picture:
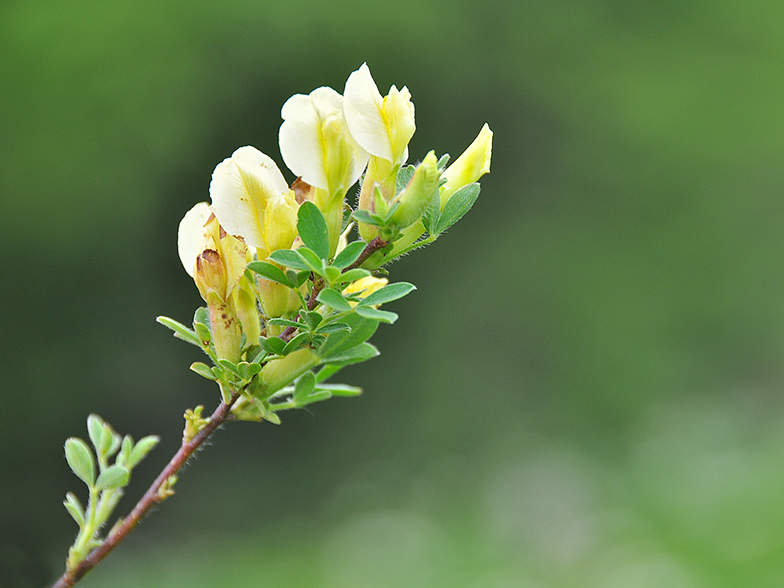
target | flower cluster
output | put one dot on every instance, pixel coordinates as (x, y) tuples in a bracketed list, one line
[(286, 287)]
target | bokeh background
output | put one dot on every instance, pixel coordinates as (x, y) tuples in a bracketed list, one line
[(585, 391)]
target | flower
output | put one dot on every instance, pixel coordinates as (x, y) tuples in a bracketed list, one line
[(365, 287), (252, 200), (472, 164), (383, 126), (316, 145)]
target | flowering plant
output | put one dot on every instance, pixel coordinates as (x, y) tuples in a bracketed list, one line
[(292, 292)]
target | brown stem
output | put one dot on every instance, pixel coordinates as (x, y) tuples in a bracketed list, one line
[(157, 492), (375, 244)]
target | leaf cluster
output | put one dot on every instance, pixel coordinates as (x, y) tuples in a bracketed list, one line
[(105, 481)]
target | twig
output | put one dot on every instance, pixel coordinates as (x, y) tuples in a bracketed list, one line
[(157, 492)]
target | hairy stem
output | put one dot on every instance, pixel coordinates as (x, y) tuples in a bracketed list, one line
[(157, 492)]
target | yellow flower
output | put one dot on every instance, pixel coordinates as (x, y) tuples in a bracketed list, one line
[(252, 200), (365, 286), (472, 164)]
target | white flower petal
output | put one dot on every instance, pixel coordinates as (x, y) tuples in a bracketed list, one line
[(300, 140), (240, 188), (362, 105), (190, 235)]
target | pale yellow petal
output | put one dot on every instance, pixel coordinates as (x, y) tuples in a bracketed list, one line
[(190, 235)]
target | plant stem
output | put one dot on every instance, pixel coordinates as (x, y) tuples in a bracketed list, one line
[(157, 492)]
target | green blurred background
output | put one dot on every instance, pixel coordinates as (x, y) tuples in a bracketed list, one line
[(586, 389)]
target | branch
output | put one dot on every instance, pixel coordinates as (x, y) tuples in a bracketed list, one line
[(157, 492)]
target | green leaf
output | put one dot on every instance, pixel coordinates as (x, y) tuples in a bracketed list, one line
[(125, 451), (331, 273), (281, 322), (180, 330), (340, 389), (363, 216), (273, 345), (333, 299), (353, 275), (312, 228), (383, 316), (80, 459), (270, 272), (110, 441), (361, 330), (312, 318), (305, 385), (203, 370), (289, 258), (317, 396), (142, 448), (457, 206), (333, 328), (230, 366), (349, 255), (296, 343), (113, 477), (95, 429), (248, 370), (311, 258), (203, 333), (75, 508), (360, 353), (432, 214), (443, 161), (388, 293), (201, 316), (327, 372), (404, 177)]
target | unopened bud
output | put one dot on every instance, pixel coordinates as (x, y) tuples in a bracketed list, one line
[(418, 195), (472, 164)]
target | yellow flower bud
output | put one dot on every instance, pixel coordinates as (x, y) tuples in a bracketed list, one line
[(472, 164), (365, 286)]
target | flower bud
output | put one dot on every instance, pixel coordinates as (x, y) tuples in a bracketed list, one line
[(365, 286), (472, 164), (418, 195)]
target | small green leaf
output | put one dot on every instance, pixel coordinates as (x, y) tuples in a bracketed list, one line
[(331, 273), (340, 389), (75, 508), (113, 477), (202, 316), (317, 396), (296, 343), (273, 345), (383, 316), (404, 177), (312, 318), (333, 299), (349, 255), (361, 330), (95, 429), (333, 328), (353, 275), (248, 370), (180, 330), (327, 372), (298, 278), (110, 441), (432, 214), (80, 459), (388, 293), (289, 258), (270, 272), (230, 366), (203, 370), (125, 451), (457, 206), (312, 260), (443, 161), (312, 229), (360, 353), (203, 333), (281, 322), (305, 385), (363, 216), (142, 448)]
